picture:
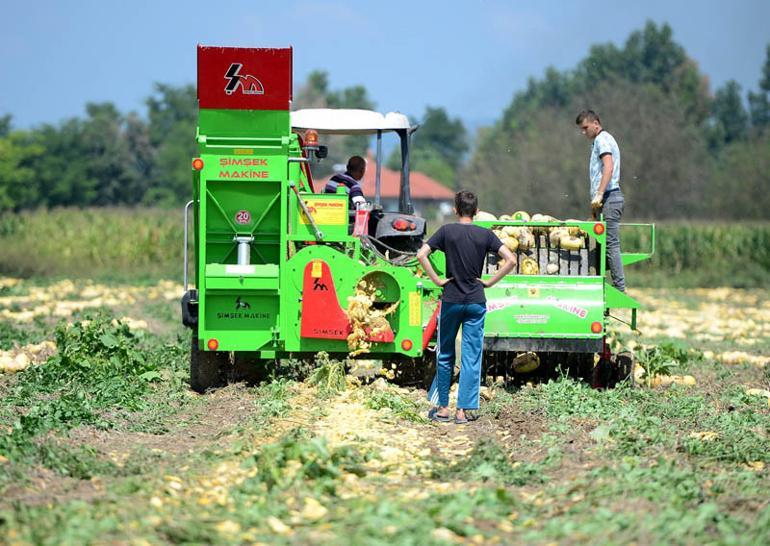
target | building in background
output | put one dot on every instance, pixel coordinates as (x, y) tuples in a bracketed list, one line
[(431, 199)]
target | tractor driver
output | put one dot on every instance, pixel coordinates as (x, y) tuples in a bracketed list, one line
[(351, 179)]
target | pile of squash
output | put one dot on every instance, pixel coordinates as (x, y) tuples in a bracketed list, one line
[(522, 237)]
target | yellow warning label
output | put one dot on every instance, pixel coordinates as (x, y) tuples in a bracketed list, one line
[(415, 307), (316, 271), (243, 151), (329, 212)]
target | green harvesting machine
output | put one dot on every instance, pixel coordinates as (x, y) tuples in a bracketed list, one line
[(277, 261)]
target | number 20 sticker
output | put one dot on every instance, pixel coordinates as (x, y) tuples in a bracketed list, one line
[(242, 217)]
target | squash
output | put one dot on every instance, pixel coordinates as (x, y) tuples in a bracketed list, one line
[(529, 267), (482, 216), (526, 239), (525, 362), (571, 242), (511, 243)]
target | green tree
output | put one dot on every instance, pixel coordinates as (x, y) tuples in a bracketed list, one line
[(650, 95), (437, 148), (730, 120), (759, 107), (740, 180), (110, 158), (651, 56), (543, 167), (63, 171), (90, 161), (5, 125), (759, 103), (172, 120), (18, 183), (315, 93)]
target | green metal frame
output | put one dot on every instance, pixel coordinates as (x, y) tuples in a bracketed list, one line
[(271, 286), (251, 162)]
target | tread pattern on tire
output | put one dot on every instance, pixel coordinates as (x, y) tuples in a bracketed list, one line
[(207, 368)]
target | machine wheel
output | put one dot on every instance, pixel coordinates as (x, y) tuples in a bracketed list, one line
[(249, 368), (190, 309), (207, 368), (428, 364), (603, 374), (414, 372), (626, 366)]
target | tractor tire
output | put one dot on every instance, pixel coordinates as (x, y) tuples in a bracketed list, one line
[(250, 369), (413, 372), (207, 368), (603, 374), (626, 366), (428, 365), (581, 366)]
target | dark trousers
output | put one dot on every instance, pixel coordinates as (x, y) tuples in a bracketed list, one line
[(613, 211)]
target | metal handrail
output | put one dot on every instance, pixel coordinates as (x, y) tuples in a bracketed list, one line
[(652, 236), (186, 223)]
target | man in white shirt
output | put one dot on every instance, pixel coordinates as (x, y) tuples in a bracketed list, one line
[(604, 179)]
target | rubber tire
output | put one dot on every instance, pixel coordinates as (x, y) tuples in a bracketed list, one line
[(603, 375), (428, 364), (626, 366), (207, 368), (250, 369)]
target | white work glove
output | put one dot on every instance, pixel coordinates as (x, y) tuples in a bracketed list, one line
[(597, 202)]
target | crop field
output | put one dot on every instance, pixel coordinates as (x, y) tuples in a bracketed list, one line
[(102, 441)]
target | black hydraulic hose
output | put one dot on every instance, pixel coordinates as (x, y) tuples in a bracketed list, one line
[(405, 252), (398, 261)]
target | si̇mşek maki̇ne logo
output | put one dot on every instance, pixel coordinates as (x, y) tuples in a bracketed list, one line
[(248, 84)]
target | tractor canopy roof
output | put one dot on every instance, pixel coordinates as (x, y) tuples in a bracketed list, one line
[(348, 121)]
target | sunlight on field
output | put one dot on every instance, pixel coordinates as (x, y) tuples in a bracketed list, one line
[(18, 359), (101, 409), (64, 298), (709, 317)]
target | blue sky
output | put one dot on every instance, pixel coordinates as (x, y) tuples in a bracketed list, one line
[(468, 56)]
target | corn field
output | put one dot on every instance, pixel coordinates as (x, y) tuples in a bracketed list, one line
[(110, 242), (97, 242), (703, 254)]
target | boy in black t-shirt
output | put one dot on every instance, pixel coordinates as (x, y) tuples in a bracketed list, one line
[(462, 303)]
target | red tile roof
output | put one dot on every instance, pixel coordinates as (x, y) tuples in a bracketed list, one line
[(421, 185)]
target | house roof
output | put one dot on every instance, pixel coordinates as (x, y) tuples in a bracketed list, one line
[(421, 185)]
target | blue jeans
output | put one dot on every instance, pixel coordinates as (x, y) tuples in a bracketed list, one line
[(471, 317)]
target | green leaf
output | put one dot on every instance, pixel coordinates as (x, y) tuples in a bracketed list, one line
[(108, 340), (152, 375)]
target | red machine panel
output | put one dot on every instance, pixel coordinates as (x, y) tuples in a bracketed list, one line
[(242, 78), (322, 316)]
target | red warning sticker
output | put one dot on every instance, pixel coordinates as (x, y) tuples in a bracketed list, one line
[(242, 217)]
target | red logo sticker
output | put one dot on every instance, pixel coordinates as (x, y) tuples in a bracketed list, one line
[(248, 84), (242, 217)]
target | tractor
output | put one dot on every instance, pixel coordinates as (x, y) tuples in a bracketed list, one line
[(277, 262)]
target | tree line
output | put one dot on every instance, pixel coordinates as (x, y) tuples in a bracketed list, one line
[(685, 151)]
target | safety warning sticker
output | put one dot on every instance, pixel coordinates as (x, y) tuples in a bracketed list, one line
[(415, 306), (329, 212)]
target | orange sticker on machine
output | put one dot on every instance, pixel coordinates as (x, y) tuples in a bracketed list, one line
[(415, 307), (328, 212), (316, 271)]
